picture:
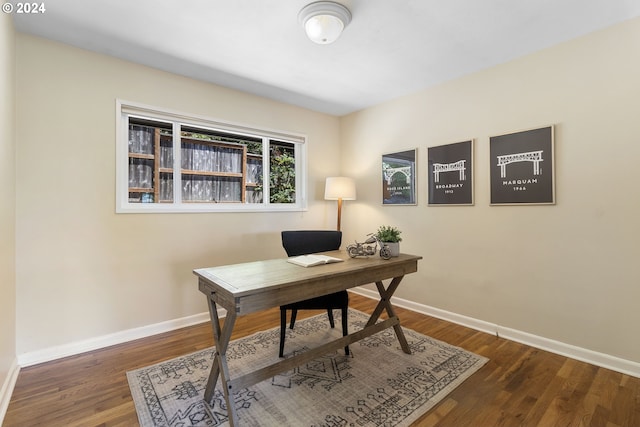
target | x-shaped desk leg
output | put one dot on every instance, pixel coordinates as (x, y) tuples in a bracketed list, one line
[(385, 304), (220, 368)]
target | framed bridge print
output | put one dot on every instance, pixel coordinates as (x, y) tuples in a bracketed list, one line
[(399, 178), (451, 174), (522, 168)]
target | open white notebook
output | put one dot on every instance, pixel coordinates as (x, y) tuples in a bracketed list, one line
[(313, 259)]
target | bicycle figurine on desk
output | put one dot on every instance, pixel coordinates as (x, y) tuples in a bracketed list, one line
[(369, 247)]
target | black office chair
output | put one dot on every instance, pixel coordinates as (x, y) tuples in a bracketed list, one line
[(305, 242)]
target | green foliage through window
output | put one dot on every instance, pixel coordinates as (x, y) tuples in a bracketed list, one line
[(282, 173)]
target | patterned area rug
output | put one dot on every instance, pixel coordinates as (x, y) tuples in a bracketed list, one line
[(377, 385)]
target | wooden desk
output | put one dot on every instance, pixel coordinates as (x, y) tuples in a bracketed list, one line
[(253, 286)]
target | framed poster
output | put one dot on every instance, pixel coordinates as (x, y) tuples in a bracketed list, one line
[(451, 174), (522, 168), (399, 178)]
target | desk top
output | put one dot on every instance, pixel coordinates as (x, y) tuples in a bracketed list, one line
[(264, 284)]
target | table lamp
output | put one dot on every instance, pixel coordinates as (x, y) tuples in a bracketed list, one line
[(339, 188)]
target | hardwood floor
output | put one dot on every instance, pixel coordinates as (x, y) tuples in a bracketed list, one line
[(519, 386)]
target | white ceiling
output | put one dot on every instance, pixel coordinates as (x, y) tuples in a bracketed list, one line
[(391, 48)]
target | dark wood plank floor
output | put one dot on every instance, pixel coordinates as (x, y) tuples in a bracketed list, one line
[(519, 386)]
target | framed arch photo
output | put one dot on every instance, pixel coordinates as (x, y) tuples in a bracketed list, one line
[(523, 168), (399, 178), (451, 174)]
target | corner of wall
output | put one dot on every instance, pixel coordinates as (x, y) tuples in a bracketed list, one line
[(7, 388), (8, 361)]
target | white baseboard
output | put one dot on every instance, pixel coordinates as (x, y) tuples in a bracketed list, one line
[(71, 349), (7, 388), (589, 356), (585, 355)]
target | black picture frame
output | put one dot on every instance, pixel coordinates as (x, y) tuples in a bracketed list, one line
[(399, 178), (523, 168), (450, 173)]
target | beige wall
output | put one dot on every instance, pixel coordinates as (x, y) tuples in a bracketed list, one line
[(84, 271), (7, 203), (567, 272)]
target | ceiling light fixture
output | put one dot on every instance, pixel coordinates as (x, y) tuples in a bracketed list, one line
[(323, 21)]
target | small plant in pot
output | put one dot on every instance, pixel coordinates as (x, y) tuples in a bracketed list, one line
[(390, 236)]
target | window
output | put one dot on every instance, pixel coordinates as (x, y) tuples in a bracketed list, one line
[(168, 162)]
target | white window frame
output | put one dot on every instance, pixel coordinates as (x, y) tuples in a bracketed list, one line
[(126, 109)]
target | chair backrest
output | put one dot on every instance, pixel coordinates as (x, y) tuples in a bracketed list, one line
[(302, 242)]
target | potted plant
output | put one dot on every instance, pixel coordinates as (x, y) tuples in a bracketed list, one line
[(390, 236)]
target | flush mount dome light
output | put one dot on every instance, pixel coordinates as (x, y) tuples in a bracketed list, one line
[(323, 21)]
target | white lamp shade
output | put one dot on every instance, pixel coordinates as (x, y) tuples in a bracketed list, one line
[(340, 187)]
